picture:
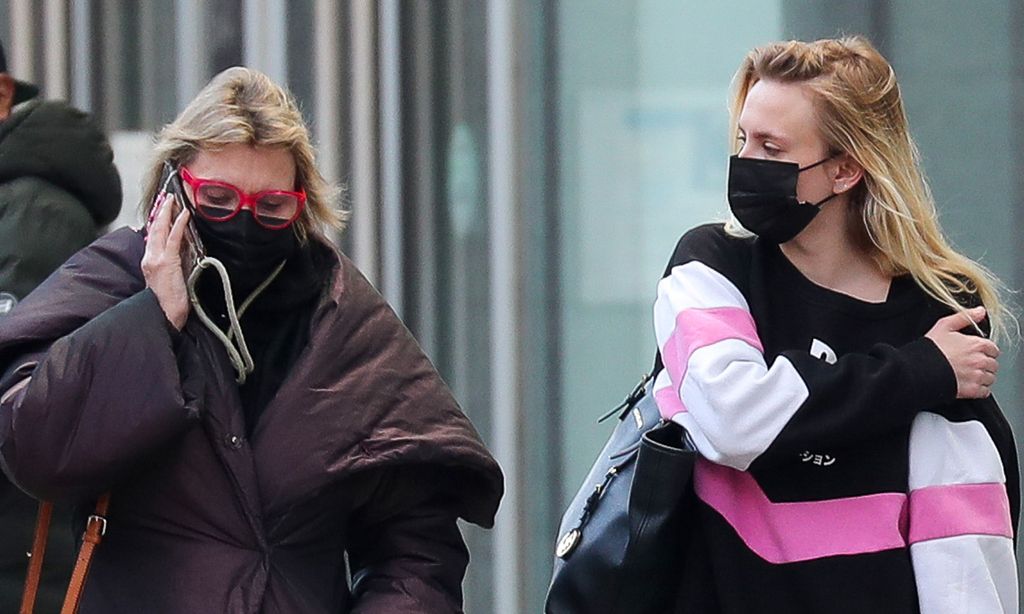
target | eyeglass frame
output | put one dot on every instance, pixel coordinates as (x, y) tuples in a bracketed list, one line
[(246, 200)]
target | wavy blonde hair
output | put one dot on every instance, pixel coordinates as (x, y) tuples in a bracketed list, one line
[(860, 112), (244, 106)]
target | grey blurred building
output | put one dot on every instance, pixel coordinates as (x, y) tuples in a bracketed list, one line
[(519, 170)]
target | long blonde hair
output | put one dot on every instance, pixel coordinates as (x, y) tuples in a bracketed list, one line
[(244, 106), (860, 112)]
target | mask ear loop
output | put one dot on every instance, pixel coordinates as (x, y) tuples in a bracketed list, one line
[(809, 167), (240, 357)]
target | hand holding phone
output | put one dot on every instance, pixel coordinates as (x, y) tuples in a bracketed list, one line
[(192, 246), (172, 249)]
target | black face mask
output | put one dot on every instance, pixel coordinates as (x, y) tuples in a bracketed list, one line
[(762, 196), (249, 251)]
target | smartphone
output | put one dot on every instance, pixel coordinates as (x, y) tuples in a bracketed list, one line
[(192, 250)]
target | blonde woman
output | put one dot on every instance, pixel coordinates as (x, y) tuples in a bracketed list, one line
[(824, 350), (282, 447)]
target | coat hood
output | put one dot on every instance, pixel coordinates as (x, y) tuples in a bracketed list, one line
[(61, 145)]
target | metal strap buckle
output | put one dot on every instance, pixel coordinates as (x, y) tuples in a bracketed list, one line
[(96, 518)]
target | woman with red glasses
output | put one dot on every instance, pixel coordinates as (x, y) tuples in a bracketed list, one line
[(270, 436)]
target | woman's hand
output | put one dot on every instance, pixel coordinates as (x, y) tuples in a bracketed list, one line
[(161, 264), (973, 358)]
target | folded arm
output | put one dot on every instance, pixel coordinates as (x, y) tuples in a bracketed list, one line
[(738, 407)]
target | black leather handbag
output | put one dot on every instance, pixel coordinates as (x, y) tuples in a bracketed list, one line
[(623, 537)]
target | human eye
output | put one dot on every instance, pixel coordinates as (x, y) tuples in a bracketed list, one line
[(273, 202), (771, 149), (217, 196), (276, 206)]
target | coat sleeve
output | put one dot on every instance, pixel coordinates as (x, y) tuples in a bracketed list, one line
[(406, 553), (96, 404), (739, 407), (962, 514)]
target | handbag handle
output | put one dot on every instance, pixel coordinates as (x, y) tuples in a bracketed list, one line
[(95, 529)]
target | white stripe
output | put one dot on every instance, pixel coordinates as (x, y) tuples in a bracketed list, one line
[(966, 574), (688, 286), (944, 452), (661, 381), (736, 405)]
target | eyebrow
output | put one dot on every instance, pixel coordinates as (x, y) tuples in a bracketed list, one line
[(763, 135)]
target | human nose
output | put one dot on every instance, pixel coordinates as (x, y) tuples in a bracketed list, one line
[(246, 201)]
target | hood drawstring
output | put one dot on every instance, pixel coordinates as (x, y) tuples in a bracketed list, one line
[(240, 357)]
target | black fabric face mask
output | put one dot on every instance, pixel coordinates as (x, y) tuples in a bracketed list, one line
[(249, 251), (762, 196)]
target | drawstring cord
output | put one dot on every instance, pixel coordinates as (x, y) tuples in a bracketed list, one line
[(239, 356)]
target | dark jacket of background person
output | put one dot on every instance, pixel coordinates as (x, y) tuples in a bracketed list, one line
[(58, 187), (362, 450)]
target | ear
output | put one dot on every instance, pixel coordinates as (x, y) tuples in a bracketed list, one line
[(848, 173), (6, 95)]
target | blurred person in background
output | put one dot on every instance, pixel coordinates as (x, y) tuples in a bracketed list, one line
[(58, 189), (271, 436)]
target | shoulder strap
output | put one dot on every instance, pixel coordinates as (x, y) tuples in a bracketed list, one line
[(95, 528), (35, 562)]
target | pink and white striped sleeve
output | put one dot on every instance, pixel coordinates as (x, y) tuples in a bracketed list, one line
[(716, 382), (960, 526)]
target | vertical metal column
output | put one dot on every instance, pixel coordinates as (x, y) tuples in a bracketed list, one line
[(424, 168), (55, 43), (364, 139), (20, 57), (326, 95), (112, 54), (190, 49), (504, 239), (1016, 119), (149, 50), (81, 54), (263, 46), (391, 235)]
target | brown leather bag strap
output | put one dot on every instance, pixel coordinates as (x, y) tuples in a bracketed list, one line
[(95, 528), (35, 561)]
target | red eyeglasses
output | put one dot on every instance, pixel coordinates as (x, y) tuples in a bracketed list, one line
[(218, 202)]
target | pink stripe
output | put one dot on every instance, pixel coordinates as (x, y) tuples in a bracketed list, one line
[(697, 328), (801, 531), (668, 402), (959, 509)]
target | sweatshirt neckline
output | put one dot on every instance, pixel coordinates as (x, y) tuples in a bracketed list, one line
[(900, 297)]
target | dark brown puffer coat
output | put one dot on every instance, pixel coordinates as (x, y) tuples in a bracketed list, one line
[(362, 451)]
